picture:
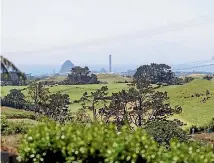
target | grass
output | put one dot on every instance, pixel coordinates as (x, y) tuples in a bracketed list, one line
[(7, 110), (12, 113), (6, 89), (109, 78), (54, 78), (112, 78), (194, 111), (75, 92)]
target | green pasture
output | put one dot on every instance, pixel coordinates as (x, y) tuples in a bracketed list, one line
[(194, 110), (109, 78), (75, 92)]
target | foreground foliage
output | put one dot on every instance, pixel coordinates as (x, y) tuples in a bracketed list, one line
[(7, 66), (53, 142)]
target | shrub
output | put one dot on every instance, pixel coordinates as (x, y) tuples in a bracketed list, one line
[(15, 99), (188, 79), (10, 127), (16, 128), (208, 77), (209, 127), (4, 123), (53, 142), (14, 115), (163, 131)]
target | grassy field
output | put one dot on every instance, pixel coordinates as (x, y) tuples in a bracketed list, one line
[(110, 78), (194, 111), (54, 78), (17, 115), (74, 91)]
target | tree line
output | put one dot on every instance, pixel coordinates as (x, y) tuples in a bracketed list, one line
[(39, 100), (160, 74)]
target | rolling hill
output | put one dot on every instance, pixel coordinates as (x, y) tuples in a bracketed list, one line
[(195, 111)]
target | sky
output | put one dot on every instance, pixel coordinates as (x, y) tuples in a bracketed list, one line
[(134, 32)]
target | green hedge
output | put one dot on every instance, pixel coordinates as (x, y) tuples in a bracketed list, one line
[(53, 142), (23, 115)]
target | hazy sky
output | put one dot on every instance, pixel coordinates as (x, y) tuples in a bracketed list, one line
[(86, 31)]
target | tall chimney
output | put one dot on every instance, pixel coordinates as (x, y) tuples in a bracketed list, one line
[(109, 63)]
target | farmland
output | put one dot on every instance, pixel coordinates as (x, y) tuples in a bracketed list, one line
[(194, 111)]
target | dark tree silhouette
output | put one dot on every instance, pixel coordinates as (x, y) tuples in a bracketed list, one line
[(15, 99), (208, 77), (94, 100), (53, 105), (138, 105), (81, 75), (155, 73)]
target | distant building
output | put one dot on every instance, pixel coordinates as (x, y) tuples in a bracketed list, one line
[(110, 64)]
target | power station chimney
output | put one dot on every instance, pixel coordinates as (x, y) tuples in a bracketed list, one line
[(110, 63)]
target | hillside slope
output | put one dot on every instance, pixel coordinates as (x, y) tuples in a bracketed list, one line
[(194, 109), (112, 78), (109, 78)]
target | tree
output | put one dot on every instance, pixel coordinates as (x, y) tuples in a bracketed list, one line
[(118, 109), (39, 95), (15, 99), (208, 77), (188, 79), (82, 116), (81, 75), (155, 73), (164, 130), (138, 105), (7, 65), (53, 105), (57, 107), (94, 100)]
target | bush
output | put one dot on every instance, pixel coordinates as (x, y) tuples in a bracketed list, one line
[(53, 142), (188, 79), (11, 115), (9, 127), (17, 128), (211, 125), (4, 123), (15, 99), (208, 77), (164, 131), (206, 128)]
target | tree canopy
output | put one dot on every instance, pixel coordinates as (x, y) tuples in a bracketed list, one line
[(155, 73), (81, 75)]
